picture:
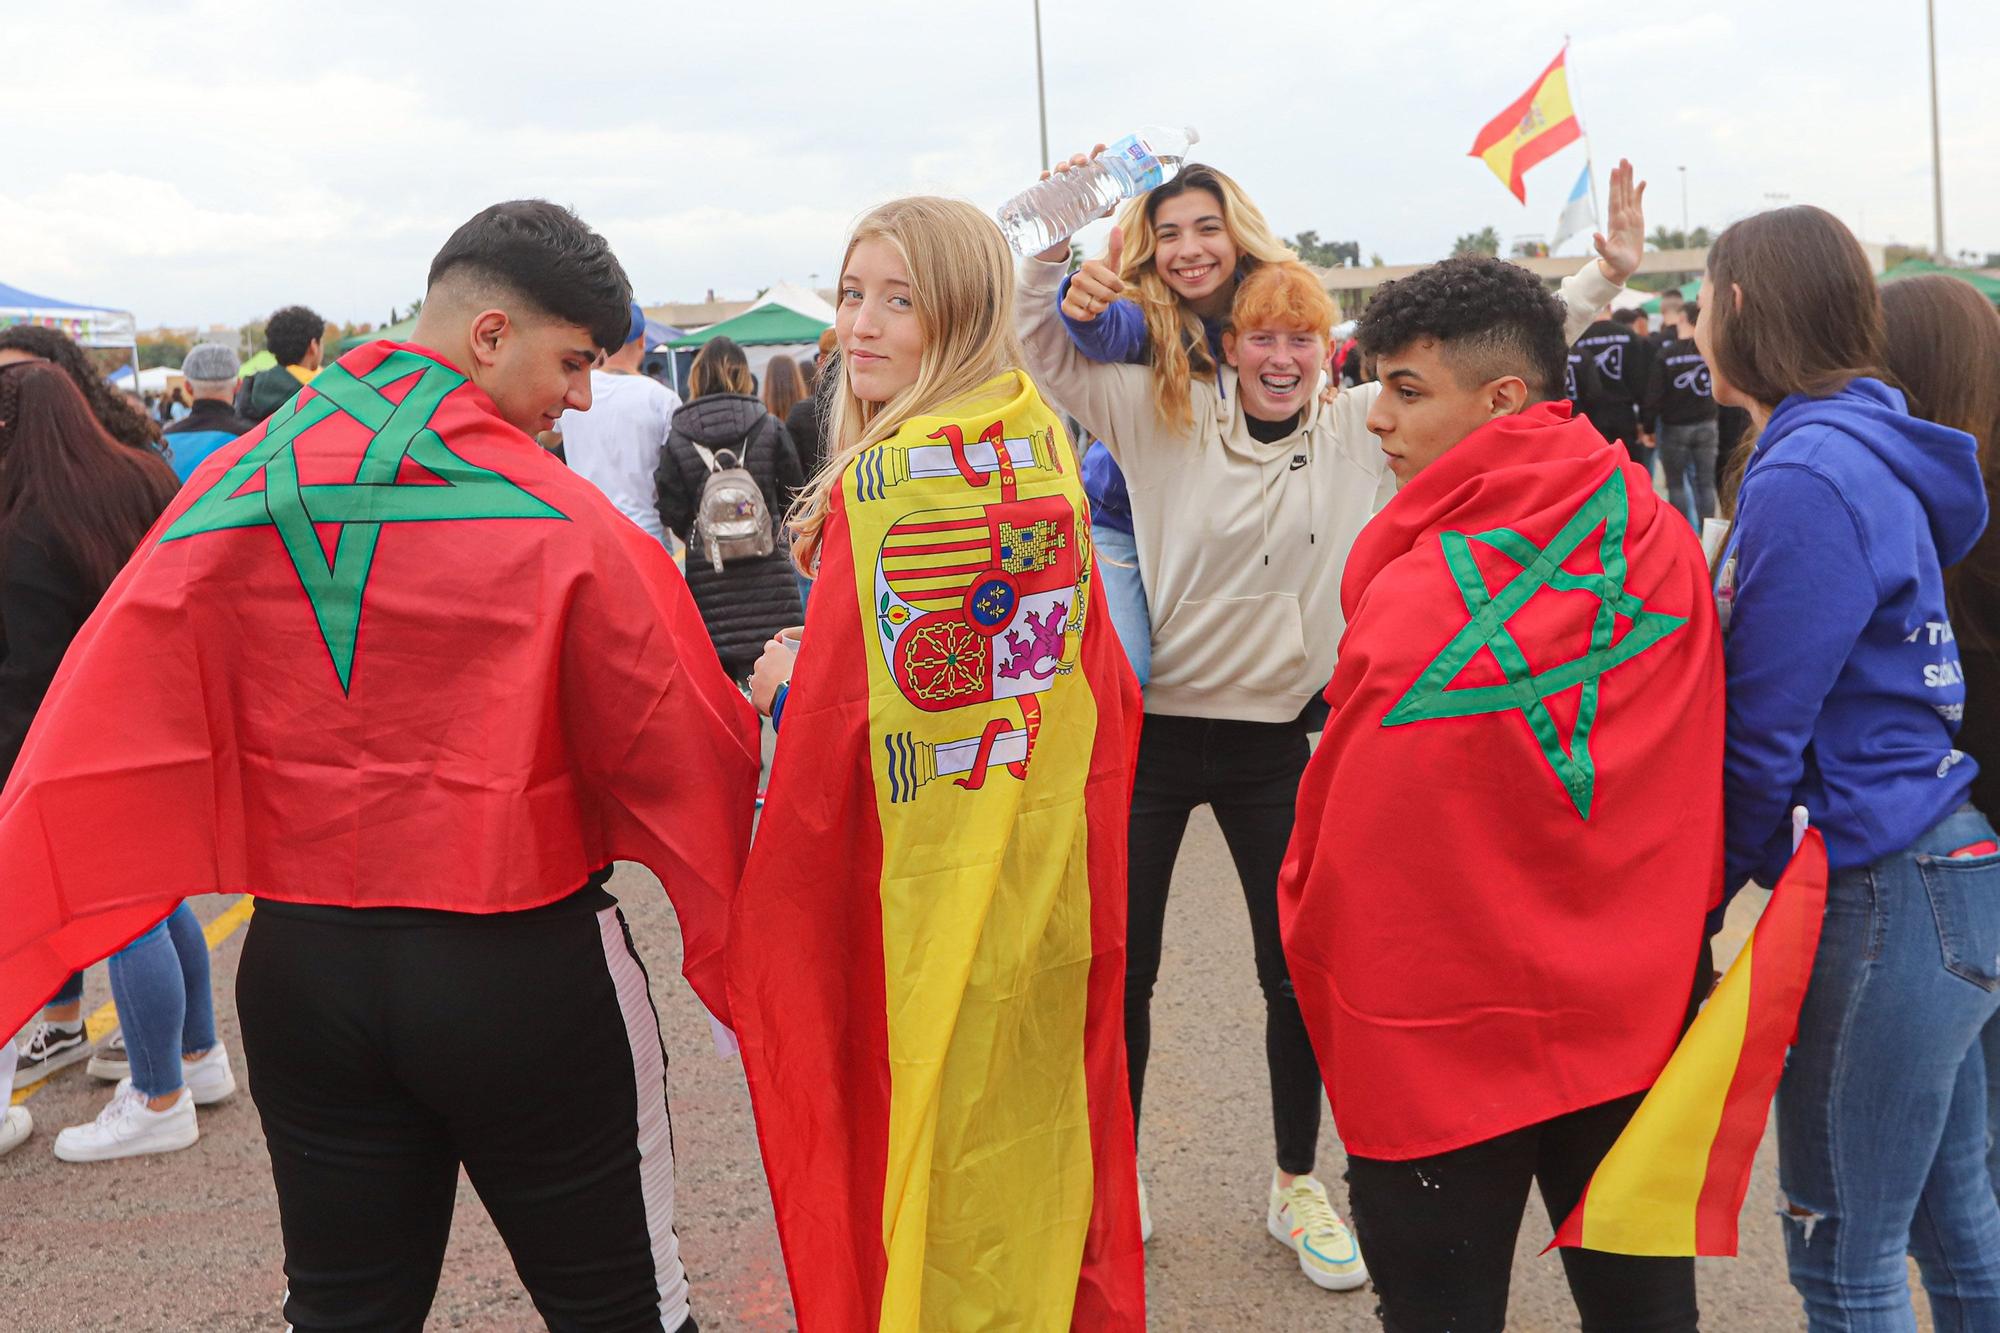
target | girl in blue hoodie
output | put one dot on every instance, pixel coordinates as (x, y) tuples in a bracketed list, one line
[(1845, 692)]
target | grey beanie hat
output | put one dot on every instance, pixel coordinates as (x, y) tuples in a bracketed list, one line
[(211, 363)]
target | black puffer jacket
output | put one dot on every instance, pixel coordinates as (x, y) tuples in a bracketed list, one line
[(747, 601)]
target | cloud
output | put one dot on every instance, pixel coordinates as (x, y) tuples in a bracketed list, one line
[(198, 166)]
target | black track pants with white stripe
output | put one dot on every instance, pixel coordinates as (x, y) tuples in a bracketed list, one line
[(387, 1047)]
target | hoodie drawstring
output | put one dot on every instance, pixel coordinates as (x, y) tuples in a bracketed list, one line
[(1264, 501)]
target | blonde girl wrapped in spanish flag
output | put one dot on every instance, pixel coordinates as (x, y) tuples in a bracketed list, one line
[(927, 951)]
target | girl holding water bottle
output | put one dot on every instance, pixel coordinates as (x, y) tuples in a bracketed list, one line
[(1202, 235), (1246, 491)]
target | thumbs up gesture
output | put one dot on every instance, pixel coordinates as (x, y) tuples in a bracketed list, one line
[(1097, 284)]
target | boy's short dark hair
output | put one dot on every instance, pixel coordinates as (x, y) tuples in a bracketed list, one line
[(547, 256), (1490, 319), (290, 331), (1691, 311), (1627, 317)]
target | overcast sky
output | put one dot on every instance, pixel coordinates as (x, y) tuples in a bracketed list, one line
[(205, 162)]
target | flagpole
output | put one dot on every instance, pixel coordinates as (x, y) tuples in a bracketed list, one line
[(1937, 155), (1589, 159)]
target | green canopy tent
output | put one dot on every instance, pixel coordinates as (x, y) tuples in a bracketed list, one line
[(760, 326), (776, 326), (397, 332), (1911, 268)]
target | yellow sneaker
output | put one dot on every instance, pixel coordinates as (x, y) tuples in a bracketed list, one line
[(1304, 1222)]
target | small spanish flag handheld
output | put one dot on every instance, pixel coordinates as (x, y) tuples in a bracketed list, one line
[(1674, 1182), (927, 952), (1538, 124)]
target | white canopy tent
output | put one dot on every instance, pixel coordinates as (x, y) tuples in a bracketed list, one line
[(157, 379)]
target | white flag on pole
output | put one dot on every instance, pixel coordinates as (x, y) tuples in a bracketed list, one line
[(1578, 216)]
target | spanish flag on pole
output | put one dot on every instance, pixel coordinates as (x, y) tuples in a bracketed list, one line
[(927, 953), (1540, 123), (1674, 1182)]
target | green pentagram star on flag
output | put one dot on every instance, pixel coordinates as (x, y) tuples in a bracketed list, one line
[(337, 585), (1526, 690)]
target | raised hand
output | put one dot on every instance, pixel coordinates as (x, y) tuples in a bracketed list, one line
[(1097, 284), (1618, 253)]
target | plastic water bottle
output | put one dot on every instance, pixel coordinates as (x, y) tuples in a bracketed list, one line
[(1056, 209)]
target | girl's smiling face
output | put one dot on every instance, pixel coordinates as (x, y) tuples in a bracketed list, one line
[(1191, 246)]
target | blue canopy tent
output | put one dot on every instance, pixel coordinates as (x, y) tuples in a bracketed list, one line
[(90, 325), (659, 364)]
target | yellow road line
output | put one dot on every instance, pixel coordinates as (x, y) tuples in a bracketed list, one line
[(99, 1025)]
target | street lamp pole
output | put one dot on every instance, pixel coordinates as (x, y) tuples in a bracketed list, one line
[(1684, 201), (1041, 91), (1937, 155)]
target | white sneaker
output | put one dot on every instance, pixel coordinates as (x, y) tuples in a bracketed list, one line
[(127, 1127), (1303, 1221), (210, 1078), (1145, 1215), (15, 1126)]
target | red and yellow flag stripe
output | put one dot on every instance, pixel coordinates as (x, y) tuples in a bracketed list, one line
[(1674, 1182)]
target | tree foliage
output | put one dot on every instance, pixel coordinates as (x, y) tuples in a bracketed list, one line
[(1326, 254), (1673, 238), (1485, 241)]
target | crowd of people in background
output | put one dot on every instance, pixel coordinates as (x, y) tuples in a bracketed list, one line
[(1260, 495)]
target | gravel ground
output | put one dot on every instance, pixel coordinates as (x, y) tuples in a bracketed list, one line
[(189, 1241)]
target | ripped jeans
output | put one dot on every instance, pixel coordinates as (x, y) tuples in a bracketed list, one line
[(1882, 1111)]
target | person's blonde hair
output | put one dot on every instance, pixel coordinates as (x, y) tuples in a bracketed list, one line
[(720, 367), (1177, 344), (962, 288)]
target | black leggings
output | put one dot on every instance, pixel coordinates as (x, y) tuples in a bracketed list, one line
[(1249, 773), (388, 1047), (1438, 1232)]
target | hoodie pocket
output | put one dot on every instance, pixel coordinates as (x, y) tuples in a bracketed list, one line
[(1232, 643)]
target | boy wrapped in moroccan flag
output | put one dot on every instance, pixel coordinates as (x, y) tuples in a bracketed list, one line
[(392, 668), (926, 955), (1507, 841)]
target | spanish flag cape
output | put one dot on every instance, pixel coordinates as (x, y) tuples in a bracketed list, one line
[(927, 953), (383, 651), (1512, 828)]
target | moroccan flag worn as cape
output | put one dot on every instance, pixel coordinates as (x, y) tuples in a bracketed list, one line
[(1674, 1181), (1511, 830), (383, 651), (927, 954), (1538, 124)]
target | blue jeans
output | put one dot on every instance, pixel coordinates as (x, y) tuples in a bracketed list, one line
[(1882, 1111), (160, 983), (71, 992), (1125, 592), (1687, 454)]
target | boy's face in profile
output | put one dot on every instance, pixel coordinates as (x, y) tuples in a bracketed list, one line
[(1424, 408)]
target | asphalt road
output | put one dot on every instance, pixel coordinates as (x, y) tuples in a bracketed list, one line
[(189, 1241)]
